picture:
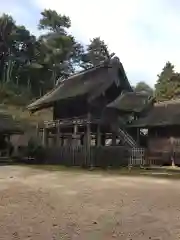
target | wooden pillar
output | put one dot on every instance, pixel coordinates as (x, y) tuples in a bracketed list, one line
[(62, 140), (37, 130), (45, 137), (75, 128), (113, 139), (82, 139), (172, 144), (98, 136), (103, 139), (69, 140), (138, 135), (54, 140), (58, 135), (88, 140), (7, 150)]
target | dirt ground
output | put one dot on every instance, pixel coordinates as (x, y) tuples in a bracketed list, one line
[(45, 205)]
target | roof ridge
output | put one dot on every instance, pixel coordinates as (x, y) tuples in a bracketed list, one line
[(104, 63), (101, 65)]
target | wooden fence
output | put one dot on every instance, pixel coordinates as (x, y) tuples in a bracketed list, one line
[(107, 156), (103, 156)]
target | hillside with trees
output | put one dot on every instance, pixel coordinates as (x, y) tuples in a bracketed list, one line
[(30, 65)]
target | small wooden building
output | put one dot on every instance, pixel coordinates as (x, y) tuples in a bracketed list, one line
[(163, 125), (90, 108), (79, 103)]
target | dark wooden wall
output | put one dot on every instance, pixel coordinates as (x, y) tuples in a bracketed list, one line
[(79, 105), (159, 138), (69, 108)]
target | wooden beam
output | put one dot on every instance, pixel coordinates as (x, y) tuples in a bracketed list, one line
[(75, 129), (103, 139), (88, 140), (45, 137), (37, 130), (114, 139), (138, 135), (62, 140), (82, 140), (98, 136), (58, 136)]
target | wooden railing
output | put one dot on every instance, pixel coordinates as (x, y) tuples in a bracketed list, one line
[(70, 121), (137, 157)]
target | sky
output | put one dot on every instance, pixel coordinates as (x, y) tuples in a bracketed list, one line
[(144, 34)]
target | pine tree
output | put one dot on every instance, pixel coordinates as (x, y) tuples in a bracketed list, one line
[(164, 88), (97, 52)]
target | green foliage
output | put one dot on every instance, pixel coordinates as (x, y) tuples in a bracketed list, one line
[(31, 66), (14, 95), (164, 88), (34, 63), (144, 87), (97, 51), (53, 21)]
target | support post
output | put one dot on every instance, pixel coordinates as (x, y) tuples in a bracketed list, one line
[(62, 140), (82, 140), (103, 139), (37, 130), (172, 151), (75, 127), (69, 140), (45, 137), (98, 136), (138, 135), (88, 140), (9, 145), (55, 140), (58, 136), (113, 139)]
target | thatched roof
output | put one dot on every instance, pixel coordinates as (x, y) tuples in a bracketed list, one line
[(162, 114), (91, 82), (131, 102), (8, 125)]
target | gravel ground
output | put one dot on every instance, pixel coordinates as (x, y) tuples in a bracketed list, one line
[(45, 205)]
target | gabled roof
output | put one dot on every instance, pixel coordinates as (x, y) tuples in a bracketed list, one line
[(162, 114), (91, 82), (131, 102)]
